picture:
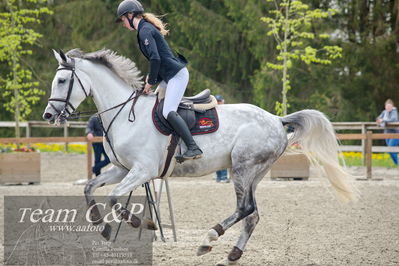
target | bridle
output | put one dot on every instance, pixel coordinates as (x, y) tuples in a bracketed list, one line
[(76, 115), (73, 115), (62, 113)]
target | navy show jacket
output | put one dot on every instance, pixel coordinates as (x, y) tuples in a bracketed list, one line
[(94, 126), (163, 63)]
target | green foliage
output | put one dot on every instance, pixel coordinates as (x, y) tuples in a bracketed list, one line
[(15, 39), (290, 24), (228, 50)]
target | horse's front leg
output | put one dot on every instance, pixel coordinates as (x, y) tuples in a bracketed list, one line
[(137, 176), (114, 175)]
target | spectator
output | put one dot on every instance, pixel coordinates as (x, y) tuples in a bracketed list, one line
[(390, 114), (94, 129), (221, 175)]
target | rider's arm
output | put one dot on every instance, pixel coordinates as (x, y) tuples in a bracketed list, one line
[(155, 60)]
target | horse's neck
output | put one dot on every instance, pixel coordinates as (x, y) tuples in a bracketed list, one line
[(108, 90)]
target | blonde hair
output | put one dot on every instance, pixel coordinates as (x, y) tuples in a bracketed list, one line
[(389, 101), (157, 22)]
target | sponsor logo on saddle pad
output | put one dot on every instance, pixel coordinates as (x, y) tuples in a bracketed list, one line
[(205, 122)]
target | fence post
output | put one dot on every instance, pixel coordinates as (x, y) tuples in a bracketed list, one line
[(66, 135), (89, 159), (369, 153), (364, 152), (28, 132), (28, 129)]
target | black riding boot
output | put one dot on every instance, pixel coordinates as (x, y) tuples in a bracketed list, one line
[(181, 128)]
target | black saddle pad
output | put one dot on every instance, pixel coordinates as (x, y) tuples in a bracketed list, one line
[(198, 122)]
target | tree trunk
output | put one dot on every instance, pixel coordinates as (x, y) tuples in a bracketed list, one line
[(285, 68), (15, 84), (16, 96)]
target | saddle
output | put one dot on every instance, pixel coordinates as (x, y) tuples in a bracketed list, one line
[(198, 112)]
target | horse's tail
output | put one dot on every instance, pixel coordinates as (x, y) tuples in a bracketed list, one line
[(316, 137)]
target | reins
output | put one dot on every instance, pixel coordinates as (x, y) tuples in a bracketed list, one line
[(122, 105)]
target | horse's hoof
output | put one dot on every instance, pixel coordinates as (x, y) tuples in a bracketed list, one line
[(106, 233), (202, 250), (95, 215), (148, 224), (135, 221), (226, 262)]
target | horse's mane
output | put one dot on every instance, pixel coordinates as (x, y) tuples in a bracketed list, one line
[(123, 67)]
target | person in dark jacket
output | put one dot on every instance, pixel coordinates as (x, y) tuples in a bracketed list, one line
[(165, 68), (94, 129), (221, 175)]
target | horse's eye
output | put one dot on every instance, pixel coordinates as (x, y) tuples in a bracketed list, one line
[(61, 81)]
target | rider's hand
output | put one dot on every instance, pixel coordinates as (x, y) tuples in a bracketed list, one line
[(147, 88)]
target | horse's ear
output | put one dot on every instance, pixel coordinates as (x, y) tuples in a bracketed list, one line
[(57, 56), (63, 56)]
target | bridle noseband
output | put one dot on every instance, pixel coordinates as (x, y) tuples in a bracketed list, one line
[(71, 67)]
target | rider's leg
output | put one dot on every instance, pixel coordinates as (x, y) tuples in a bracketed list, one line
[(180, 126), (174, 93)]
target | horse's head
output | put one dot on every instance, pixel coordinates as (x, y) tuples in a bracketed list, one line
[(69, 88)]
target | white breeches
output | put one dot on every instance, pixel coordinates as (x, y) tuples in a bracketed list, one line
[(175, 89)]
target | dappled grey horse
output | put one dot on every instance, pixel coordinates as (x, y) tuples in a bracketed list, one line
[(249, 140)]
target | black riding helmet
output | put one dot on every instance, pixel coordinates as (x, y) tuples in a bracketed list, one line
[(127, 6)]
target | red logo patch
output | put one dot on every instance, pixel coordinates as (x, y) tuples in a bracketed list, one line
[(205, 122)]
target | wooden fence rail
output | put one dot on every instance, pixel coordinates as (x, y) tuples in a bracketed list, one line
[(369, 136)]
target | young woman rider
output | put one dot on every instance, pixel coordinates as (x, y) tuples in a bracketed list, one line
[(165, 68)]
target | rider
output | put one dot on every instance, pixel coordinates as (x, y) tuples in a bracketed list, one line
[(164, 66)]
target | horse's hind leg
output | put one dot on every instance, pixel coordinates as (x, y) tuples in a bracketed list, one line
[(250, 221), (243, 178), (113, 175), (248, 225)]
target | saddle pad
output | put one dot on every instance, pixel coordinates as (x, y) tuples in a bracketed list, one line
[(205, 123)]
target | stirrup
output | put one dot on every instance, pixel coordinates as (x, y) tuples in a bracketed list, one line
[(184, 157)]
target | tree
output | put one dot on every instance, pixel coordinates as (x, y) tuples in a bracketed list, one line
[(15, 38), (291, 27)]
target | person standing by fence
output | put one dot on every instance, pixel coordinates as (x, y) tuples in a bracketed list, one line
[(221, 175), (390, 114), (94, 129)]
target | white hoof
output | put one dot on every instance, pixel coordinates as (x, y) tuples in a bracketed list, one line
[(206, 246)]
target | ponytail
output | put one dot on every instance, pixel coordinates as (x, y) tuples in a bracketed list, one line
[(157, 22)]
